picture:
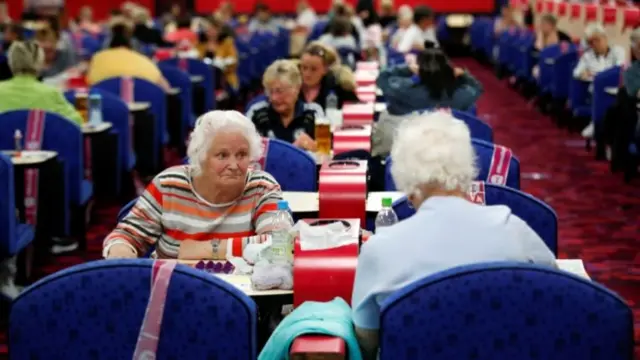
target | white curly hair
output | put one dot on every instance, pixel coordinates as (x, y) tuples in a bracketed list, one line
[(434, 150), (213, 122)]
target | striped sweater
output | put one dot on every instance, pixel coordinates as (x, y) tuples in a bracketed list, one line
[(170, 211)]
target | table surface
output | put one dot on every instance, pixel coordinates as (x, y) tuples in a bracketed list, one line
[(95, 129), (309, 201), (196, 78), (173, 91), (611, 90), (139, 106), (380, 107), (30, 157)]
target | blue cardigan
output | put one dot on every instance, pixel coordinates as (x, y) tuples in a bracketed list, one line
[(325, 318)]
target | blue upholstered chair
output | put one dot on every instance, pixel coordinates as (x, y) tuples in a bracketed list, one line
[(536, 213), (14, 237), (95, 311), (199, 67), (484, 152), (64, 137), (505, 311), (181, 80)]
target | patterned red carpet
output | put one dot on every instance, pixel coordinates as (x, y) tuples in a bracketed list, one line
[(599, 214)]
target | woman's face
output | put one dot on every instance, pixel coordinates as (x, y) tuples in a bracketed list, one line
[(598, 43), (86, 14), (404, 22), (282, 96), (212, 32), (546, 27), (313, 70), (228, 159)]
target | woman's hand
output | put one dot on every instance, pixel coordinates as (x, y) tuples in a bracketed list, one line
[(414, 68), (458, 72), (121, 251), (305, 142)]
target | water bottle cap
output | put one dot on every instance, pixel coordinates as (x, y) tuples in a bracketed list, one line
[(387, 202), (283, 205)]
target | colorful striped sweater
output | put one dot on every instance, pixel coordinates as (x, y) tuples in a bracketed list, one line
[(170, 211)]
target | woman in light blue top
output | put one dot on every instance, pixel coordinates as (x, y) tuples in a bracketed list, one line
[(434, 164)]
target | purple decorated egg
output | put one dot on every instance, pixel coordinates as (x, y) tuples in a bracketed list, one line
[(200, 265), (218, 267), (209, 266)]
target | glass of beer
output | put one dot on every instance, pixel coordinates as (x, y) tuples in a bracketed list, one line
[(323, 136), (82, 103)]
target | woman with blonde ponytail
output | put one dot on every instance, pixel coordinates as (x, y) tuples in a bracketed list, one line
[(323, 74)]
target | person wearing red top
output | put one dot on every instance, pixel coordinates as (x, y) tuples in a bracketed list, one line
[(183, 37)]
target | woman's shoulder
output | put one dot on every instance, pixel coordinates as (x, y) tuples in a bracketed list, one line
[(259, 179), (175, 175)]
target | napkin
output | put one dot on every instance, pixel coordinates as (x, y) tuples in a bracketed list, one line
[(322, 237)]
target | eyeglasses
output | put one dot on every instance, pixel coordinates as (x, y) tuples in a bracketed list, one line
[(279, 90)]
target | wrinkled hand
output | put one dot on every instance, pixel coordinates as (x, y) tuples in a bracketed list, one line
[(121, 251), (305, 142), (458, 72)]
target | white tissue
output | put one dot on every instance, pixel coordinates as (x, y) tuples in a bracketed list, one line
[(322, 237)]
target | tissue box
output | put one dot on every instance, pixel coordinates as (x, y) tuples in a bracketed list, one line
[(318, 347), (323, 274)]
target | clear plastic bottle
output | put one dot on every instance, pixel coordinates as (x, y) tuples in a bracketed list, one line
[(282, 241), (386, 216), (332, 111), (95, 109)]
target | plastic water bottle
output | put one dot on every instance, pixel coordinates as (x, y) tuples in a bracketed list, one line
[(282, 241), (332, 112), (17, 140), (386, 216), (95, 109)]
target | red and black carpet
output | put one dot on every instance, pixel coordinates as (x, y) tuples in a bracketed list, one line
[(599, 214)]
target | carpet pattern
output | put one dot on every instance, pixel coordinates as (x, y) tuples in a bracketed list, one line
[(599, 215)]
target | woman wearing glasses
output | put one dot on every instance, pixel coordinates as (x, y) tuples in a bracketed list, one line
[(283, 115)]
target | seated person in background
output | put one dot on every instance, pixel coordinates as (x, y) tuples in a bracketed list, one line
[(58, 56), (219, 46), (120, 60), (434, 163), (423, 29), (549, 33), (405, 21), (340, 35), (284, 116), (85, 21), (225, 13), (24, 91), (370, 29), (599, 57), (144, 31), (387, 15), (183, 38), (307, 17), (430, 83), (212, 207), (506, 21), (12, 32), (262, 21), (323, 74)]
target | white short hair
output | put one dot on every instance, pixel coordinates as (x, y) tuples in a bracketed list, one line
[(405, 12), (594, 29), (213, 122), (433, 149)]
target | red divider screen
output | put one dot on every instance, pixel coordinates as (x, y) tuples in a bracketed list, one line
[(322, 6)]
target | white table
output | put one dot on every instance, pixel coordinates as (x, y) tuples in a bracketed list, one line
[(380, 107), (307, 202), (139, 106), (243, 282), (196, 78), (88, 129), (30, 157), (173, 91)]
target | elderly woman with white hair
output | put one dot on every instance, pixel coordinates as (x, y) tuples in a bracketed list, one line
[(405, 20), (434, 164), (599, 57), (284, 115), (211, 208)]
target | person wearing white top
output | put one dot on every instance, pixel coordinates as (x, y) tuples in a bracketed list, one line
[(405, 20), (422, 30), (307, 17), (599, 57)]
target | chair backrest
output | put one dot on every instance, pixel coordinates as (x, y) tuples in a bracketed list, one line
[(7, 208), (99, 307), (126, 209), (255, 100), (198, 67), (181, 80), (294, 169), (59, 134), (115, 111), (536, 213), (147, 91), (485, 157), (505, 311), (479, 129)]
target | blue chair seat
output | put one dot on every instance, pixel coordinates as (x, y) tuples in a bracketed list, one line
[(86, 192), (24, 236)]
